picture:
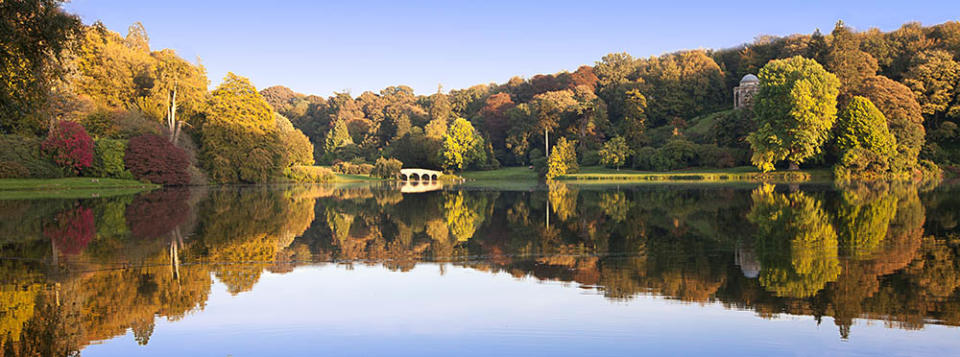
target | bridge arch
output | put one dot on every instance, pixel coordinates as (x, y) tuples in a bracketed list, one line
[(419, 175)]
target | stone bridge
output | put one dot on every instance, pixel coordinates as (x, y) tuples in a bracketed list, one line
[(419, 174)]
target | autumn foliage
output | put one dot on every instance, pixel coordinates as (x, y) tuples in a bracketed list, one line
[(70, 146), (153, 158)]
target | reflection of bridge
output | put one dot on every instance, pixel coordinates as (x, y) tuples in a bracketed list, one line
[(419, 174), (420, 186)]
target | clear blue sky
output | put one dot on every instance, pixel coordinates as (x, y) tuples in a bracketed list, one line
[(317, 47)]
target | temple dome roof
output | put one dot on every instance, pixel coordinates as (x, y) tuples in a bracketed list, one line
[(749, 78)]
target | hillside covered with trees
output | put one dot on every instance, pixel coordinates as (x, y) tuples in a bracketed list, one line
[(85, 100)]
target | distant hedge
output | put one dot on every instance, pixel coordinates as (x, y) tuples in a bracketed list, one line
[(21, 158), (309, 174), (349, 168)]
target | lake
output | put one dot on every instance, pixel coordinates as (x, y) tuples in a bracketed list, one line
[(510, 269)]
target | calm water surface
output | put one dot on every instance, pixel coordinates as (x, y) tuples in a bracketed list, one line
[(517, 270)]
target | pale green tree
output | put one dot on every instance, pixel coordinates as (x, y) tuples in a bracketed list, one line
[(796, 107), (563, 159), (462, 145), (862, 125), (615, 152)]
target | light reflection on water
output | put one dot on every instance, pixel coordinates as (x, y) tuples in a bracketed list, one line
[(374, 311), (561, 269)]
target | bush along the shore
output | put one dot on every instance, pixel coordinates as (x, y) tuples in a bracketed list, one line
[(387, 168), (21, 157), (309, 174), (69, 146), (153, 158), (108, 159)]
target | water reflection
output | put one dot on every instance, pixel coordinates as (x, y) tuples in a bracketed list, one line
[(79, 271)]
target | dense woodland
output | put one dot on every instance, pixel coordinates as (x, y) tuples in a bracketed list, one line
[(865, 103)]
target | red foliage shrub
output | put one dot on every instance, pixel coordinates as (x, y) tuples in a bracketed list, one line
[(70, 146), (72, 230), (153, 158), (155, 214)]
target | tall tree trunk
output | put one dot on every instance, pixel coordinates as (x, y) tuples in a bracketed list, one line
[(546, 144), (172, 124)]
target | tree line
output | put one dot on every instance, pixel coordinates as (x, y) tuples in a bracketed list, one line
[(867, 104)]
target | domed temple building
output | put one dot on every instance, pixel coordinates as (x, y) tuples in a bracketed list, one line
[(743, 94)]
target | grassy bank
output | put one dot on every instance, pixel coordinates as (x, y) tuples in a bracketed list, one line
[(69, 188), (71, 183), (506, 173), (735, 174), (597, 174), (355, 178)]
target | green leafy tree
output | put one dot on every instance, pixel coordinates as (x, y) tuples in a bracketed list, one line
[(862, 125), (796, 107), (634, 121), (462, 145), (865, 144), (35, 36), (338, 137), (904, 118), (522, 129), (682, 85), (296, 147), (933, 78), (386, 168), (563, 159), (553, 107), (615, 152)]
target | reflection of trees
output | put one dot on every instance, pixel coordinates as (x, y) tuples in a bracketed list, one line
[(677, 243), (796, 242), (563, 199), (880, 229), (71, 230), (244, 230), (863, 219), (16, 308), (615, 206), (154, 214), (463, 215)]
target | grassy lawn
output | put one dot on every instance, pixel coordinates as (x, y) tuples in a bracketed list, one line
[(603, 174), (354, 178), (71, 183), (69, 188), (506, 173), (742, 173)]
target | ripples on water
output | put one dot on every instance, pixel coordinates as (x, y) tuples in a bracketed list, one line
[(558, 269)]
